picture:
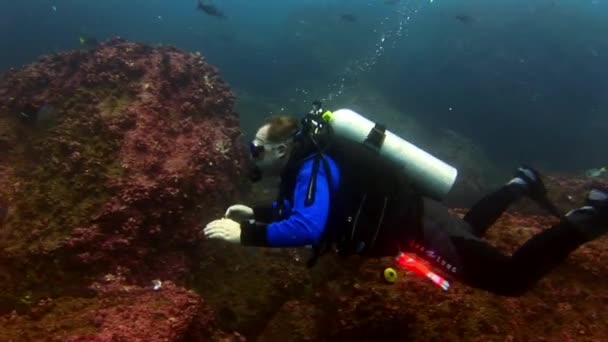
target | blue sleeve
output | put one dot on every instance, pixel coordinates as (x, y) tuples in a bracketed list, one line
[(305, 224)]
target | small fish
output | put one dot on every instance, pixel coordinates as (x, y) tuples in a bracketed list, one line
[(37, 116), (464, 18), (348, 17), (88, 42), (596, 172), (226, 38), (210, 10)]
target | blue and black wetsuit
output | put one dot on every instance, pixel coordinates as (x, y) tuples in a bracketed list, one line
[(317, 206), (314, 209), (301, 214)]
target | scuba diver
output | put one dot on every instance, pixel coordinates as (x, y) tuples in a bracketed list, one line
[(350, 186)]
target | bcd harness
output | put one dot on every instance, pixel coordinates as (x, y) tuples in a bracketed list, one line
[(367, 185)]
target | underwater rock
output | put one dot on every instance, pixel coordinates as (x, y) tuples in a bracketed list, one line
[(118, 312), (566, 191), (141, 147), (300, 318), (357, 305), (569, 191)]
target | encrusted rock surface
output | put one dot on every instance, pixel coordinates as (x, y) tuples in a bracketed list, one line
[(110, 161), (353, 303), (118, 312)]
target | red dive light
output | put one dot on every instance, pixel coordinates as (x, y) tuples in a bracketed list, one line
[(412, 263)]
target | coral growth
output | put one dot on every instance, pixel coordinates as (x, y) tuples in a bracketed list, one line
[(111, 159), (569, 191), (565, 191), (116, 311)]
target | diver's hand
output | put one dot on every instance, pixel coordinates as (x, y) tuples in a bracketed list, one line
[(223, 229), (239, 212)]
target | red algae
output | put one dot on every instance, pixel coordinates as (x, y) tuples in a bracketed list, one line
[(138, 146), (118, 312)]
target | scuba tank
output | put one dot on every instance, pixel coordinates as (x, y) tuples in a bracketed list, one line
[(431, 176), (382, 178)]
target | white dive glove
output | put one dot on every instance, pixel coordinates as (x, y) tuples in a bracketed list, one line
[(223, 229), (239, 212)]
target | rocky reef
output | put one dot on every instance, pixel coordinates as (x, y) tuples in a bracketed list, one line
[(110, 160), (118, 312)]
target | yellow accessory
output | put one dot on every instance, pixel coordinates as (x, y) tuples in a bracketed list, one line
[(390, 275), (327, 116)]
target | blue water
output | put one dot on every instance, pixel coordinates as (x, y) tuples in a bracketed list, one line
[(525, 80)]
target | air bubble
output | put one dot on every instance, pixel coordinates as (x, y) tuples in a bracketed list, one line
[(392, 30)]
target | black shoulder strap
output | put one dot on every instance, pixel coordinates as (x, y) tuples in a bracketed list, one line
[(322, 246), (312, 183)]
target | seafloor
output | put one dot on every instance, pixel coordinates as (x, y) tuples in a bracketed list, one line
[(112, 158)]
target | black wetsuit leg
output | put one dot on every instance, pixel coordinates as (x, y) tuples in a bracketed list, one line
[(447, 242), (485, 267), (486, 211)]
